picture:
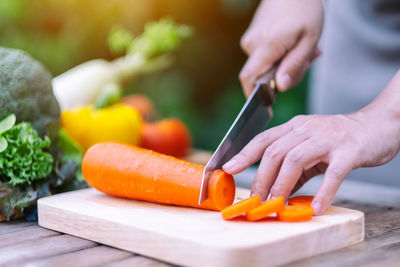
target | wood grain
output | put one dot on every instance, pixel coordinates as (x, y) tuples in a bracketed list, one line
[(26, 234), (377, 250), (14, 226), (184, 235), (44, 247), (138, 261), (94, 256), (380, 248)]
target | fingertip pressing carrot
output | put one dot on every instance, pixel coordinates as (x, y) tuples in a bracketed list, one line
[(240, 207), (295, 214), (266, 208), (300, 201), (132, 172)]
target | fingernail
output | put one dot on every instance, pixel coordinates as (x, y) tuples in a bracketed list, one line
[(284, 81), (229, 165), (316, 207)]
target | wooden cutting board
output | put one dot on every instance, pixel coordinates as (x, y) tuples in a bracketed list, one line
[(194, 237)]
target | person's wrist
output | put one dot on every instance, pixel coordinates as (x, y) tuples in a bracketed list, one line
[(384, 116)]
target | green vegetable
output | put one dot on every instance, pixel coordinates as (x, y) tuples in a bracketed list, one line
[(23, 160), (108, 95), (69, 148), (25, 90), (20, 200), (159, 37), (86, 84), (31, 167), (3, 144), (5, 125), (71, 151), (119, 40)]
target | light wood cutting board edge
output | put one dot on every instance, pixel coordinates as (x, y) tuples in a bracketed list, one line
[(166, 248)]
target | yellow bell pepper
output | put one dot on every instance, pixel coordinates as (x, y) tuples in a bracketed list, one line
[(88, 126)]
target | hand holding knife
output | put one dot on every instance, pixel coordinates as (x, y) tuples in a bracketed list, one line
[(251, 120)]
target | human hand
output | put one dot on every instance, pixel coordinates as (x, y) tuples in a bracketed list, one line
[(296, 151), (282, 30)]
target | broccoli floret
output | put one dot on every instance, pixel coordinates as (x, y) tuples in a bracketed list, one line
[(25, 90)]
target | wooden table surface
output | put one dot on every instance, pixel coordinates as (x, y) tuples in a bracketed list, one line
[(25, 243)]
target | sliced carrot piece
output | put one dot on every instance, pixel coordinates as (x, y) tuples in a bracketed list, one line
[(240, 207), (266, 208), (295, 214), (300, 201)]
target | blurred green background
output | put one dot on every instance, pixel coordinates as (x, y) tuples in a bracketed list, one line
[(202, 87)]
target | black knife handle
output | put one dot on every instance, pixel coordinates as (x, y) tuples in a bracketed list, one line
[(267, 85)]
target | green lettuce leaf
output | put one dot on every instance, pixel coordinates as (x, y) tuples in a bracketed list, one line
[(7, 123), (24, 158)]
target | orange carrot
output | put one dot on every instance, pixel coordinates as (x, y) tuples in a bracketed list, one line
[(266, 208), (300, 201), (127, 171), (240, 207), (295, 214)]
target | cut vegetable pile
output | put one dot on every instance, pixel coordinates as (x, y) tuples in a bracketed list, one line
[(254, 210), (241, 207), (265, 209)]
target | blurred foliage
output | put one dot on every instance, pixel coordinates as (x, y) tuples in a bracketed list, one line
[(202, 88), (158, 37), (119, 40)]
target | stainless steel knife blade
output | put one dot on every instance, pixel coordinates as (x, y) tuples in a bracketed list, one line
[(251, 120)]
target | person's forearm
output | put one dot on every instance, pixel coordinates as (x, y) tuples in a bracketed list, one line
[(389, 99), (386, 107)]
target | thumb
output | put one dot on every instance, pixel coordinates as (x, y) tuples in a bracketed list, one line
[(292, 68)]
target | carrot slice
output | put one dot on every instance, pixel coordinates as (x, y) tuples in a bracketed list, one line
[(132, 172), (240, 207), (266, 208), (300, 201), (295, 214)]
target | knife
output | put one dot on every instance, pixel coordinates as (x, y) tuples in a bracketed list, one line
[(251, 120)]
